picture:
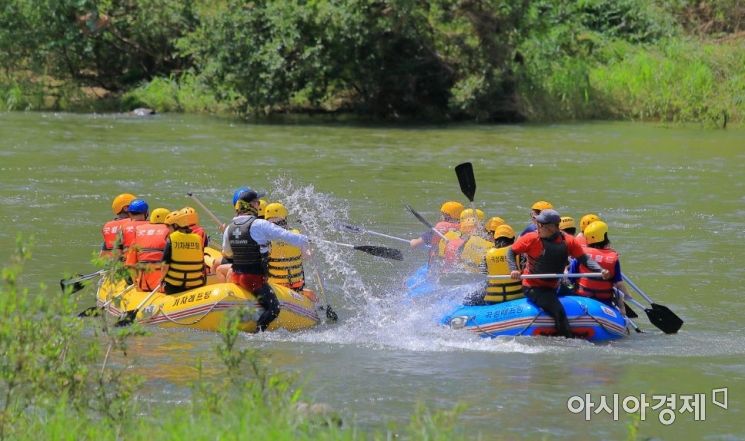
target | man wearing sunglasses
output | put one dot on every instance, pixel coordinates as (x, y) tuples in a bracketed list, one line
[(547, 251)]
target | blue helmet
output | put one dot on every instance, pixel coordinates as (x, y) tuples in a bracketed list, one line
[(238, 192), (138, 206)]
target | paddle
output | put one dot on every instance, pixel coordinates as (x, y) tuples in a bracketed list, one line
[(220, 225), (660, 316), (630, 313), (330, 313), (76, 281), (549, 276), (424, 221), (466, 179), (128, 317), (94, 310), (467, 182), (341, 226), (385, 252)]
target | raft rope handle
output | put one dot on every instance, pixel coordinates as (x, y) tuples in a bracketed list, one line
[(160, 310), (587, 312), (540, 310)]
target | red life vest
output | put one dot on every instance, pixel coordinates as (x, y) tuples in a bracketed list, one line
[(598, 288), (110, 231), (582, 240), (197, 229), (148, 246), (128, 232), (150, 241), (452, 251), (443, 227)]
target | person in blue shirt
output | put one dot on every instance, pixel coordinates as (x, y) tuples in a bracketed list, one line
[(246, 242)]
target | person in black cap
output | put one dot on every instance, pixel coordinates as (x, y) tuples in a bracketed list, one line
[(547, 251), (246, 241)]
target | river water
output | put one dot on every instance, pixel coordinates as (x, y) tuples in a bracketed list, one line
[(674, 199)]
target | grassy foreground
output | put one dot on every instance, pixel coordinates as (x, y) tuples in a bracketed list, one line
[(58, 382)]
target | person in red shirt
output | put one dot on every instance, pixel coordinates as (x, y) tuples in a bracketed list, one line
[(449, 221), (547, 251), (145, 255)]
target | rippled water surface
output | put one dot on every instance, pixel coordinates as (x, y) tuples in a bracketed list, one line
[(673, 197)]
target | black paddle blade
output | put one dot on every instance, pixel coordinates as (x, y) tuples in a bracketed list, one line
[(127, 320), (331, 314), (419, 216), (466, 179), (664, 319), (387, 253), (630, 313)]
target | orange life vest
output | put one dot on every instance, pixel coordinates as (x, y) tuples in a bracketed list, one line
[(146, 253), (598, 288), (128, 232), (110, 231)]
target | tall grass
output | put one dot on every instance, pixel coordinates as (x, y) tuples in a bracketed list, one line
[(676, 81), (184, 93)]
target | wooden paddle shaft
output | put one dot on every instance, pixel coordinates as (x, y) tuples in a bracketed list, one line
[(207, 210)]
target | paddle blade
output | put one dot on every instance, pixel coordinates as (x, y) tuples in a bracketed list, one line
[(418, 216), (664, 319), (387, 253), (331, 314), (630, 313), (71, 285), (128, 319), (466, 179), (341, 226)]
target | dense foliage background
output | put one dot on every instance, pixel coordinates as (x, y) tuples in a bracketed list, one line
[(484, 60)]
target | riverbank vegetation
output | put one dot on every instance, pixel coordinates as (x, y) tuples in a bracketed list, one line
[(480, 60), (66, 378)]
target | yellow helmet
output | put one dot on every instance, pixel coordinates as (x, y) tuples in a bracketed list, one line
[(468, 212), (467, 225), (595, 232), (493, 223), (192, 218), (158, 216), (262, 208), (541, 205), (171, 217), (452, 209), (504, 230), (587, 220), (275, 209), (121, 202), (566, 222)]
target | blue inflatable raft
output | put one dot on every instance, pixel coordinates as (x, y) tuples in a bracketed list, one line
[(589, 319)]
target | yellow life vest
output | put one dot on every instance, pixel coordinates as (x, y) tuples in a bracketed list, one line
[(285, 264), (442, 244), (186, 267), (474, 251), (500, 290)]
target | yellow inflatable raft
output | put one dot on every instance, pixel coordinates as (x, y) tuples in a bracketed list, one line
[(205, 307)]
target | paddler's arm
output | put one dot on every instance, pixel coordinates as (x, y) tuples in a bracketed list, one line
[(166, 261), (514, 272)]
